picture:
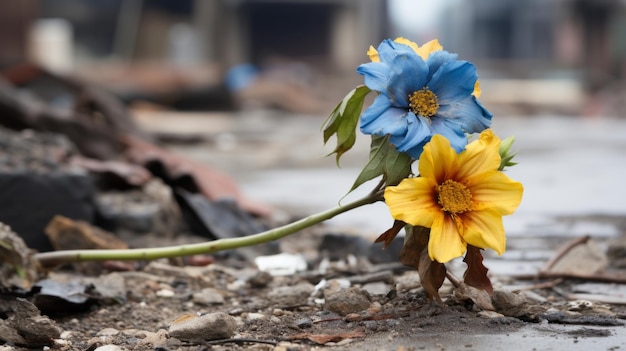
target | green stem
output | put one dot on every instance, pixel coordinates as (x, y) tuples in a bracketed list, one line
[(54, 258)]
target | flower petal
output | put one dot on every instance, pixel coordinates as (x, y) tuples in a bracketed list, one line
[(438, 159), (481, 155), (495, 190), (408, 43), (372, 53), (484, 229), (445, 241), (388, 50), (418, 132), (375, 75), (428, 49), (413, 202), (408, 74), (382, 119), (438, 58), (453, 81), (451, 131), (467, 113)]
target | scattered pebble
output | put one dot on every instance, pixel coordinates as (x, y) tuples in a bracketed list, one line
[(165, 293), (253, 316), (291, 295), (260, 280), (108, 332), (407, 281), (108, 348), (304, 323), (281, 264), (490, 314), (377, 288), (208, 297), (347, 301), (210, 326)]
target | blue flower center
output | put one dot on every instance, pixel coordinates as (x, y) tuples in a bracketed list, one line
[(424, 102)]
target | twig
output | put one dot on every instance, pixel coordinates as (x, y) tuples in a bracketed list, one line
[(54, 258), (545, 285), (563, 250), (596, 277), (240, 341), (454, 280)]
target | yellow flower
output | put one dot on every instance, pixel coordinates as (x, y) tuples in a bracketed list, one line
[(460, 197), (423, 51)]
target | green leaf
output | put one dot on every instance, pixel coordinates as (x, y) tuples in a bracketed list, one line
[(384, 160), (506, 156), (343, 120)]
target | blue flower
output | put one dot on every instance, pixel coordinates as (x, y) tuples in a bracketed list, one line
[(421, 94)]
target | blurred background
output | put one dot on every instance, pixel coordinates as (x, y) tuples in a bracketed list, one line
[(244, 86), (558, 55)]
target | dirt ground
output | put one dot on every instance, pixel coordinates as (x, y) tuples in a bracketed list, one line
[(132, 306)]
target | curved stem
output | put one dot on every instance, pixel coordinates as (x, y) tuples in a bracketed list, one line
[(50, 259)]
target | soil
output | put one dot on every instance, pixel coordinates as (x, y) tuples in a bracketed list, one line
[(133, 308)]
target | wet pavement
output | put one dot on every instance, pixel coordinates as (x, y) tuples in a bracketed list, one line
[(570, 166)]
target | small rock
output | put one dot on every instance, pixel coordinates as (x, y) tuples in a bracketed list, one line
[(515, 305), (207, 297), (254, 316), (347, 301), (281, 264), (108, 348), (489, 314), (28, 327), (304, 323), (287, 346), (260, 280), (579, 305), (154, 339), (407, 281), (291, 295), (165, 293), (335, 285), (377, 288), (504, 300), (108, 332), (210, 326)]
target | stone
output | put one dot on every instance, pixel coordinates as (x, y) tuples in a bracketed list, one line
[(27, 327), (67, 234), (208, 297), (108, 332), (149, 209), (108, 348), (17, 266), (350, 300), (210, 326), (291, 295)]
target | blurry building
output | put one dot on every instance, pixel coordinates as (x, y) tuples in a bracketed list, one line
[(331, 33), (535, 38)]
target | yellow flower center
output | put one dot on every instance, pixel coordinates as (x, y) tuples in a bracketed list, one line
[(424, 102), (454, 197)]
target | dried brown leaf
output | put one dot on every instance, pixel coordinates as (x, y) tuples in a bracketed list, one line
[(390, 234), (476, 273), (415, 254)]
